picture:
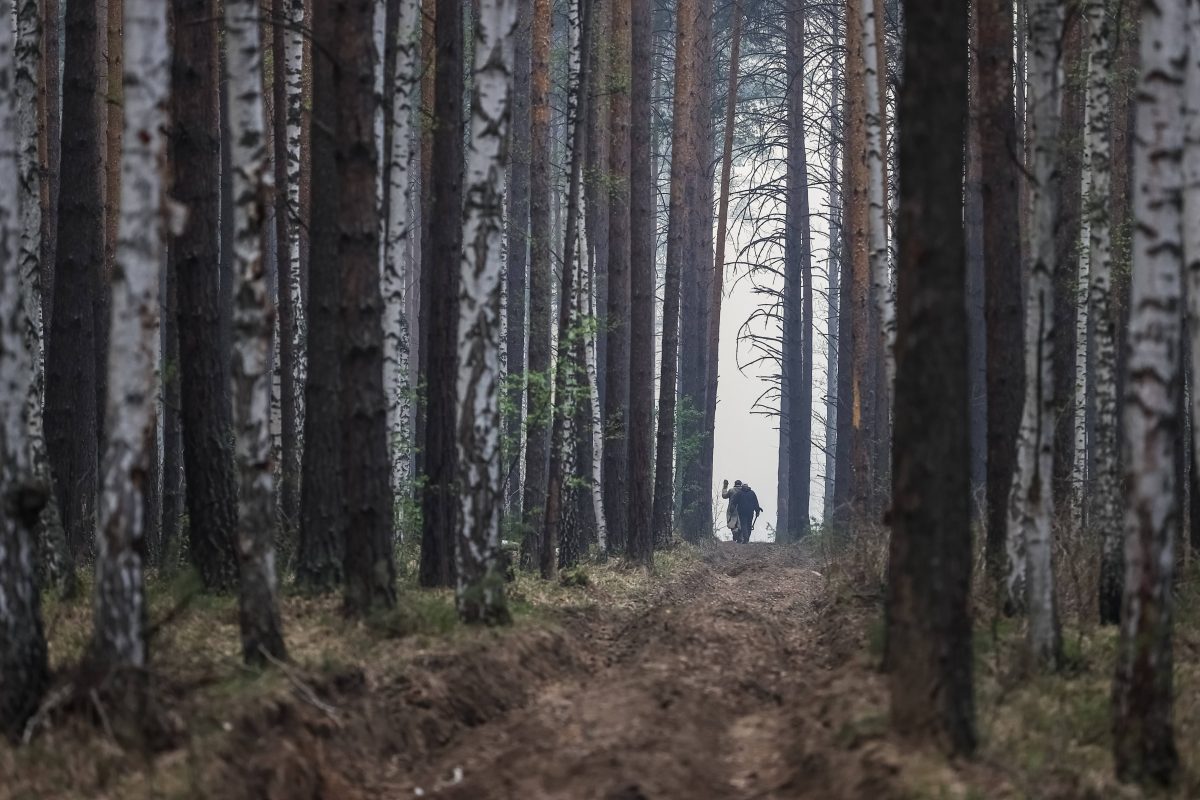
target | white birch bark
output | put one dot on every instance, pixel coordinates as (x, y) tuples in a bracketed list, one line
[(881, 284), (50, 537), (1162, 244), (1031, 507), (480, 586), (1103, 502), (1082, 313), (397, 268), (252, 315), (294, 64), (120, 609), (597, 464), (22, 644)]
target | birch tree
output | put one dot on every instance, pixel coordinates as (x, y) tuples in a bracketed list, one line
[(1104, 498), (1031, 505), (120, 605), (24, 672), (262, 631), (1143, 741), (288, 95), (51, 539), (480, 582), (877, 245), (562, 449), (397, 270)]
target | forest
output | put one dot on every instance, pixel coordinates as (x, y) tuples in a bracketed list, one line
[(374, 373)]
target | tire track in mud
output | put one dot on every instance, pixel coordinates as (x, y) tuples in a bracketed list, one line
[(692, 696)]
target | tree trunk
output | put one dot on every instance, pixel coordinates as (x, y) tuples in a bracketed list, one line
[(796, 387), (538, 408), (874, 81), (694, 450), (204, 367), (859, 310), (1073, 65), (562, 429), (173, 499), (617, 386), (833, 363), (258, 611), (684, 153), (517, 255), (397, 269), (1166, 137), (643, 223), (111, 116), (439, 306), (1003, 311), (288, 62), (118, 630), (24, 672), (480, 570), (70, 356), (50, 96), (1104, 491), (50, 538), (1031, 506), (369, 570), (929, 576)]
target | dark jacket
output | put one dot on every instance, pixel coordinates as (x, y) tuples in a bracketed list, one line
[(746, 502)]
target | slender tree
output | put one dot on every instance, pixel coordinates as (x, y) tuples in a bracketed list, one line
[(320, 551), (55, 555), (537, 434), (560, 511), (1031, 505), (288, 62), (369, 568), (71, 426), (262, 631), (1104, 507), (1143, 740), (1003, 310), (517, 252), (439, 317), (639, 533), (119, 619), (480, 585), (50, 100), (929, 577), (204, 367), (796, 386), (24, 673)]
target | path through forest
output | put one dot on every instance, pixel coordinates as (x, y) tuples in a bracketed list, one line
[(718, 686)]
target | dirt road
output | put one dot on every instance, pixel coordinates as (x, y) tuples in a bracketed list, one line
[(714, 689)]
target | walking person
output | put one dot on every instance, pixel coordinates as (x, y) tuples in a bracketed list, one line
[(748, 510), (731, 513)]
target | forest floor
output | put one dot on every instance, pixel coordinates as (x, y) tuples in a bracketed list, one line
[(739, 671)]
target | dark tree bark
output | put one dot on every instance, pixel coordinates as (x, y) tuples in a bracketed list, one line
[(617, 395), (929, 623), (694, 448), (999, 150), (50, 94), (319, 556), (72, 427), (204, 366), (113, 121), (596, 185), (858, 311), (537, 439), (642, 279), (797, 321), (439, 302), (518, 250), (1066, 252), (684, 154), (225, 212), (370, 572), (172, 461)]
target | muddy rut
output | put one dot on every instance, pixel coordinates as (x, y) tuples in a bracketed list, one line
[(706, 692), (731, 679)]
